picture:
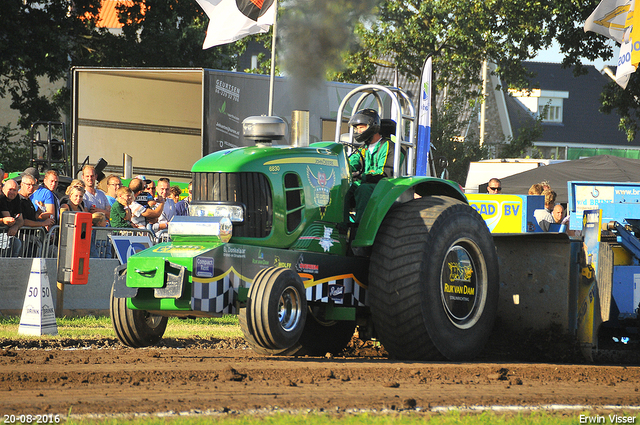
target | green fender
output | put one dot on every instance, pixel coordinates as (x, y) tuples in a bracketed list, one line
[(388, 191)]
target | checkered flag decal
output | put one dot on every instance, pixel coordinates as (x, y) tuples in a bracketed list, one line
[(342, 291), (216, 297)]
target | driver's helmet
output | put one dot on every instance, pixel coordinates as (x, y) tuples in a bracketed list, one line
[(370, 118)]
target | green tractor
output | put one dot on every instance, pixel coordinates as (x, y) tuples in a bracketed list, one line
[(266, 240)]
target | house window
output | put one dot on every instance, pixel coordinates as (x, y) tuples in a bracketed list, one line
[(547, 104), (550, 109), (550, 113)]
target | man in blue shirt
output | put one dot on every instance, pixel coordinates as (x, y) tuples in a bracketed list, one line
[(44, 198)]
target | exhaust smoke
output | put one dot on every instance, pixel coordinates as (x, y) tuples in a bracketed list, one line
[(315, 33)]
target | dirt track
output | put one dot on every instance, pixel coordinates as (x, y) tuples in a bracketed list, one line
[(104, 377)]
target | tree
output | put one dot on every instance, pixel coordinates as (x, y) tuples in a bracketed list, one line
[(162, 33), (45, 39), (16, 155), (504, 32), (521, 146), (625, 102), (458, 151), (39, 38)]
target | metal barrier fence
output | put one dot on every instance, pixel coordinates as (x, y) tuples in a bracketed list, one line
[(101, 246), (37, 242), (28, 242)]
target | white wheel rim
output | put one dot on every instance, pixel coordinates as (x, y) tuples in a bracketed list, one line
[(289, 312)]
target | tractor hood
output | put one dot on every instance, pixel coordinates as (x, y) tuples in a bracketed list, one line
[(254, 158)]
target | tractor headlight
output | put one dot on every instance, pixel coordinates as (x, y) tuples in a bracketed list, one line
[(233, 212), (216, 227)]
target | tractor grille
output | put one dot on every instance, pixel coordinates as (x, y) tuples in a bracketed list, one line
[(251, 189)]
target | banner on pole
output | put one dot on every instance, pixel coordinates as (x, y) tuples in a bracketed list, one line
[(231, 20), (617, 20), (424, 120)]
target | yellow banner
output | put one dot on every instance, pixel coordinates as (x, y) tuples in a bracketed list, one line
[(502, 213)]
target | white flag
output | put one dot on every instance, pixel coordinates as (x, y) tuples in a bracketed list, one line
[(230, 20), (609, 19), (625, 68)]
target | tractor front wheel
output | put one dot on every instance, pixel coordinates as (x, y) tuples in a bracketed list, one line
[(275, 315), (135, 328)]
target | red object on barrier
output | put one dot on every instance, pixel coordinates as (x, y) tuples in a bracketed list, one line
[(80, 249)]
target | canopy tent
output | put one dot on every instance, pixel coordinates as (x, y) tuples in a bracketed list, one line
[(602, 168)]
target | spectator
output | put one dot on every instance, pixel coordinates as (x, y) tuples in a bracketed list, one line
[(45, 198), (121, 211), (558, 213), (174, 193), (77, 182), (11, 216), (32, 171), (75, 195), (99, 220), (95, 200), (1, 175), (543, 216), (100, 248), (140, 213), (31, 216), (182, 207), (113, 184), (144, 198), (545, 185), (169, 210), (494, 186), (535, 189), (150, 188), (65, 198)]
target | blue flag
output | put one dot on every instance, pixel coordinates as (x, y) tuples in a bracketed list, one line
[(424, 120)]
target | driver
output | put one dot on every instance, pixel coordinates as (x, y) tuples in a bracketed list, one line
[(369, 163)]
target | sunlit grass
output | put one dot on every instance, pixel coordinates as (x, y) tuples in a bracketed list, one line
[(404, 418), (100, 327)]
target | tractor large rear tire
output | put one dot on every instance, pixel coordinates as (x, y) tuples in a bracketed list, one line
[(275, 315), (135, 328), (434, 290)]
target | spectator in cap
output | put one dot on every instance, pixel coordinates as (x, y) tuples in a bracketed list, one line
[(32, 171), (140, 213)]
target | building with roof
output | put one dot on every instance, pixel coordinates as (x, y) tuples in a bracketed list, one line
[(573, 125)]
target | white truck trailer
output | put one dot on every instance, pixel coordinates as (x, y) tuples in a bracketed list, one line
[(168, 118)]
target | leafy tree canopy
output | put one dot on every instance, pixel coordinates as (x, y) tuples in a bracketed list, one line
[(44, 39), (464, 34)]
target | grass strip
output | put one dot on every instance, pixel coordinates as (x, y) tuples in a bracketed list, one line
[(393, 418), (100, 327)]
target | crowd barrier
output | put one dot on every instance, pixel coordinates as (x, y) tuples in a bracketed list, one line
[(37, 242)]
